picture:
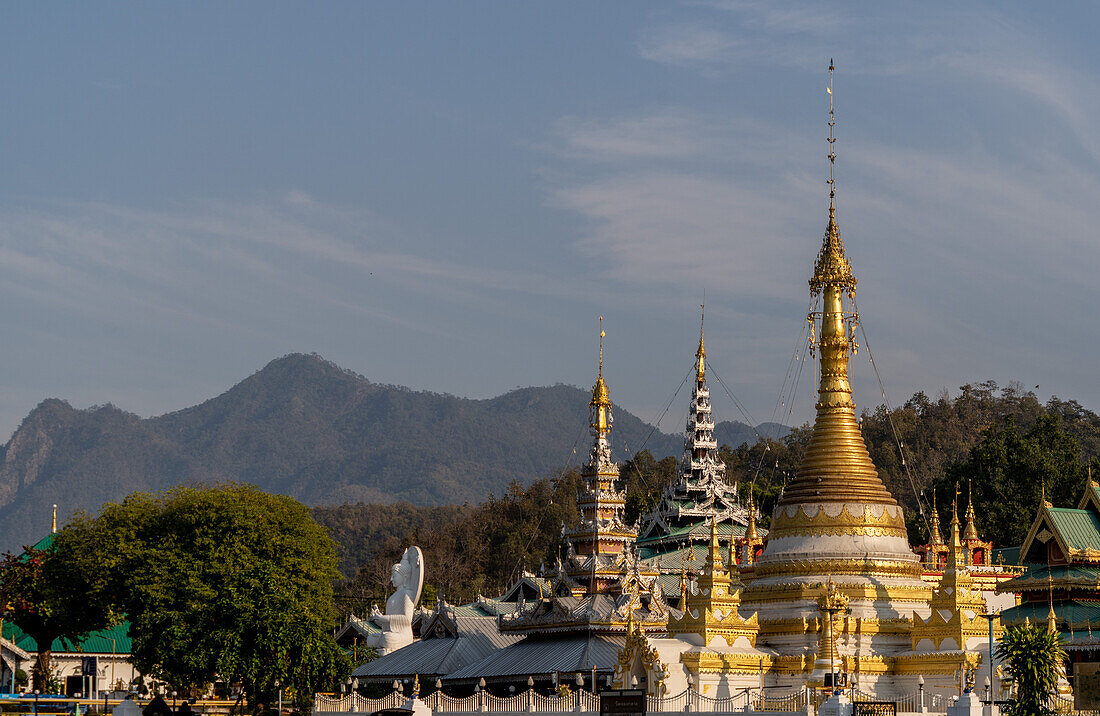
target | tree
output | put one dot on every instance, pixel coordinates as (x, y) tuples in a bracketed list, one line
[(225, 582), (45, 594), (1034, 658), (1009, 468)]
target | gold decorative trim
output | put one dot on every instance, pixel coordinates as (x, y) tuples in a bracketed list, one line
[(870, 567), (801, 523), (753, 595)]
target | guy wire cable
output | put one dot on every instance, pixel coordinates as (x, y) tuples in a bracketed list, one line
[(658, 422), (890, 420)]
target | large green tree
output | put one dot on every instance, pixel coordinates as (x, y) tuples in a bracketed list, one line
[(225, 582), (45, 593), (1009, 469), (1034, 658)]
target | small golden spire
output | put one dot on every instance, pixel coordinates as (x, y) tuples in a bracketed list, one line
[(701, 353), (971, 532), (53, 524), (935, 538), (750, 530), (714, 557), (955, 555)]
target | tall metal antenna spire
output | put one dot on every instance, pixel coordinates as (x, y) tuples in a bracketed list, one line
[(601, 347), (831, 140)]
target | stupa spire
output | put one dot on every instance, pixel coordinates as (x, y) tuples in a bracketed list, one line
[(836, 466)]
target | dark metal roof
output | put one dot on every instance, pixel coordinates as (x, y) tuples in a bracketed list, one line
[(438, 656), (545, 655)]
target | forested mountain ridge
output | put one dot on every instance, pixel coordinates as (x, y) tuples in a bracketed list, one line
[(304, 427), (1002, 443)]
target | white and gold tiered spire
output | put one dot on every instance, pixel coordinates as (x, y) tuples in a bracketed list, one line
[(686, 507)]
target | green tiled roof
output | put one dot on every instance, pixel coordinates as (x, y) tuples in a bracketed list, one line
[(725, 529), (1080, 528), (1075, 612), (98, 642), (1008, 555), (1042, 576), (675, 559)]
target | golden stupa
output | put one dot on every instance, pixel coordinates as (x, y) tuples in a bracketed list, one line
[(837, 588)]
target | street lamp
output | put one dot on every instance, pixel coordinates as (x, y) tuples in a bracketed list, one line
[(989, 617), (280, 696), (920, 689)]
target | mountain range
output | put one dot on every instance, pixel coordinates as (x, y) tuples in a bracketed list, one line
[(304, 427)]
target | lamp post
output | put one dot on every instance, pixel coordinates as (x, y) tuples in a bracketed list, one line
[(989, 617), (279, 690), (920, 690)]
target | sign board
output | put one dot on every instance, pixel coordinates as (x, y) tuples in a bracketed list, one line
[(1086, 686), (875, 708), (622, 702), (87, 666)]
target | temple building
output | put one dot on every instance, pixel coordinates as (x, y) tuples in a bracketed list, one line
[(985, 566), (1060, 584), (578, 627), (675, 534)]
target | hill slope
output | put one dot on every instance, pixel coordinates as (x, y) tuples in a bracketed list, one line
[(304, 427)]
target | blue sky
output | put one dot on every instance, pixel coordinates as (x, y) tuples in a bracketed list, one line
[(447, 195)]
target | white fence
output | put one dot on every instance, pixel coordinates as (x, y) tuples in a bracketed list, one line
[(583, 702)]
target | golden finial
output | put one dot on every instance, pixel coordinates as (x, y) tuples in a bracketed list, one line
[(832, 141), (683, 585), (53, 524), (832, 266), (602, 334), (1052, 620), (601, 396), (701, 353), (416, 685)]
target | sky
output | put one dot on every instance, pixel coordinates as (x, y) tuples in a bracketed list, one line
[(446, 196)]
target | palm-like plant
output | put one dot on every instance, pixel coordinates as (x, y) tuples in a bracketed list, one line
[(1034, 659)]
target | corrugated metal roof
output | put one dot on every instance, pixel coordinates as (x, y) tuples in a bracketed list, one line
[(1080, 528), (546, 655), (440, 655), (676, 558)]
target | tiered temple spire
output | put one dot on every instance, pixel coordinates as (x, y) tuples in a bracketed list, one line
[(601, 540), (686, 507)]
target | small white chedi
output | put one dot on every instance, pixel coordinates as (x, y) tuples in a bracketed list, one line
[(407, 577)]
